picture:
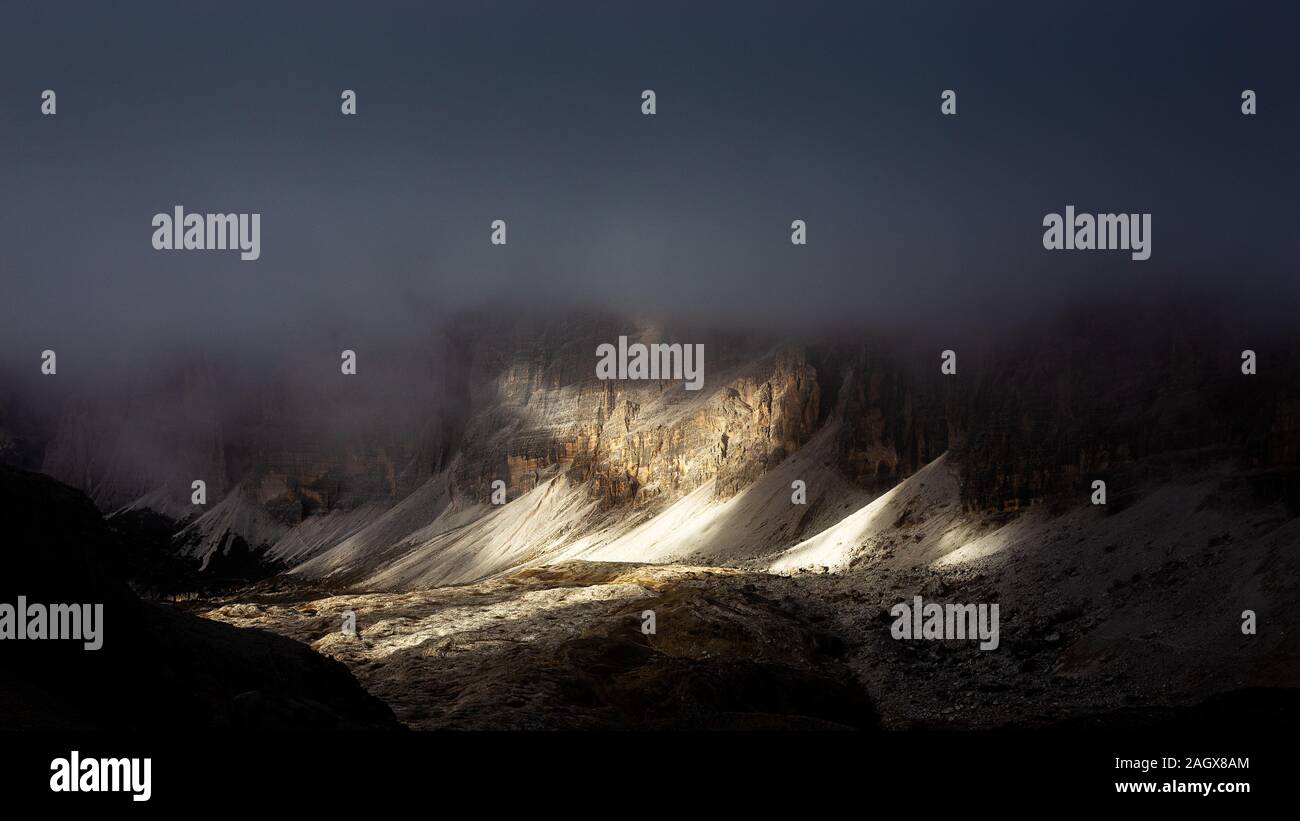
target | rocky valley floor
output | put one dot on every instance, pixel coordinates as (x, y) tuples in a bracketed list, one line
[(563, 648), (1090, 635), (1107, 614)]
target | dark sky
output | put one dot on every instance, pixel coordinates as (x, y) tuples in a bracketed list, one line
[(530, 112)]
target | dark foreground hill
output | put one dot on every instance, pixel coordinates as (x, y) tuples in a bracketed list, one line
[(158, 669)]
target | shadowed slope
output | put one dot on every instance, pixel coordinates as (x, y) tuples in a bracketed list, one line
[(158, 668)]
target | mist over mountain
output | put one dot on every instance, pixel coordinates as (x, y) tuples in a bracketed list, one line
[(310, 461), (381, 222), (477, 475), (374, 493)]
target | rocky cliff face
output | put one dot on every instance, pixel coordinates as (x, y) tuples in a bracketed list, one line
[(892, 411), (376, 496), (537, 412), (1026, 422), (1043, 419)]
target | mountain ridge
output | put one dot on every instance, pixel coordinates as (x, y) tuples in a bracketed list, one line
[(590, 466)]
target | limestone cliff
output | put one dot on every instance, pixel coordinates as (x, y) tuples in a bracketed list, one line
[(388, 475)]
